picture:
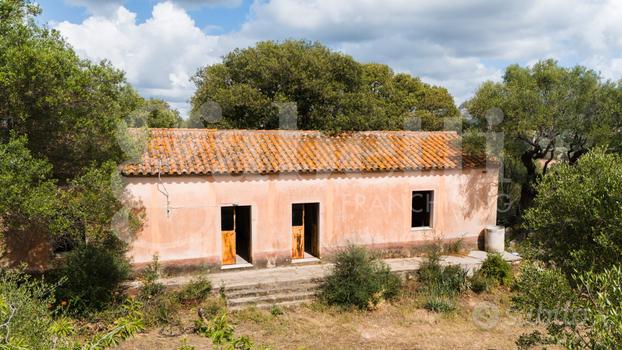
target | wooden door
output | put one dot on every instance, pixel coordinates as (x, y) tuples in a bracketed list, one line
[(228, 247), (227, 228), (298, 236), (298, 231)]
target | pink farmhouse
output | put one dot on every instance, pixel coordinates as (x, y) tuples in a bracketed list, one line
[(235, 198)]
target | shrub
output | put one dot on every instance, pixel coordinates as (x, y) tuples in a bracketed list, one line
[(602, 301), (93, 276), (537, 288), (587, 317), (441, 280), (162, 309), (479, 283), (222, 333), (212, 307), (159, 307), (123, 327), (496, 269), (359, 279), (150, 287), (25, 319), (195, 291), (275, 310)]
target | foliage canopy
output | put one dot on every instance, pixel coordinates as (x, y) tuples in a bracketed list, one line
[(261, 87)]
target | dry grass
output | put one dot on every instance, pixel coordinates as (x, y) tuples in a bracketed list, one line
[(401, 325)]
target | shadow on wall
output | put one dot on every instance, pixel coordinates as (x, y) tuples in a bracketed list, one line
[(30, 246), (478, 192)]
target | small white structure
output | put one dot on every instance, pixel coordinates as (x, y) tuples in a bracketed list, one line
[(495, 239)]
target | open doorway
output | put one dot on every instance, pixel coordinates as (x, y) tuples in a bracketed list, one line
[(305, 230), (235, 227)]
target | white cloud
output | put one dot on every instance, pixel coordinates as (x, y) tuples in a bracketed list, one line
[(454, 44), (99, 7), (159, 56)]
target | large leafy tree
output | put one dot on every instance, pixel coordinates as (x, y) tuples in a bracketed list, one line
[(576, 219), (330, 91), (547, 113), (59, 118), (67, 106)]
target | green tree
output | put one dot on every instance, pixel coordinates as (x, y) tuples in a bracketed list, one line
[(548, 113), (331, 91), (155, 113), (27, 195), (576, 219), (67, 106), (59, 118)]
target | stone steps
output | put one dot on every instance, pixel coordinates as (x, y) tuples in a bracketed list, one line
[(266, 295)]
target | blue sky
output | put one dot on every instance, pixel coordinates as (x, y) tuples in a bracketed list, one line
[(217, 18), (458, 45)]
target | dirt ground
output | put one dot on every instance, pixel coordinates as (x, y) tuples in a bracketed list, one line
[(400, 325)]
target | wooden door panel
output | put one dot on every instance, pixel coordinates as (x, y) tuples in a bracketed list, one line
[(298, 249), (228, 247)]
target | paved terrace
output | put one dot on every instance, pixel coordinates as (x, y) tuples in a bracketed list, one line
[(278, 275)]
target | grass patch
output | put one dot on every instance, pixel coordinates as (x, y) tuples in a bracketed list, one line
[(439, 304), (440, 285)]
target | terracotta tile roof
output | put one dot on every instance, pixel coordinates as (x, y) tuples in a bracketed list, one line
[(210, 151)]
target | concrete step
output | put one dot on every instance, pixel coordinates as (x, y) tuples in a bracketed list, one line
[(261, 291), (272, 299), (268, 285), (268, 305)]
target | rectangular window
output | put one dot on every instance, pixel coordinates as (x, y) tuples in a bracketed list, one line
[(422, 203)]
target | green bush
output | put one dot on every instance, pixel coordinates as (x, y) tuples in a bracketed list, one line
[(496, 269), (94, 276), (536, 287), (437, 279), (150, 286), (479, 283), (24, 315), (602, 301), (195, 291), (275, 310), (359, 279), (586, 316), (222, 333)]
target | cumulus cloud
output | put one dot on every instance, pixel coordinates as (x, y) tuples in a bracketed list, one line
[(454, 44), (108, 7), (159, 55)]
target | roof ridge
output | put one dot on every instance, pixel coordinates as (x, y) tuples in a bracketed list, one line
[(288, 131)]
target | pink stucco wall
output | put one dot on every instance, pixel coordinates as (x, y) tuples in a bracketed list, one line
[(369, 208)]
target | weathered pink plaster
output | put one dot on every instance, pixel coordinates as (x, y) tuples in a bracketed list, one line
[(361, 208)]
